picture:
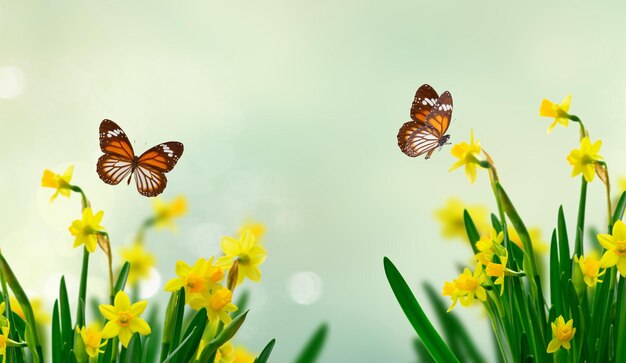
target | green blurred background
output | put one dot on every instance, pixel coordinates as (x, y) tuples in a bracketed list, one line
[(289, 112)]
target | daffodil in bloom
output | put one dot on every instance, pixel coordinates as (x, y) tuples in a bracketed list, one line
[(59, 182), (165, 213), (247, 251), (486, 246), (451, 218), (590, 267), (467, 287), (124, 318), (540, 246), (562, 334), (85, 230), (197, 281), (556, 111), (467, 153), (584, 159), (92, 338), (219, 305), (615, 245), (141, 262), (498, 270)]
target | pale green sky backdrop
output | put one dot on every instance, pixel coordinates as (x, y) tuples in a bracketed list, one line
[(289, 112)]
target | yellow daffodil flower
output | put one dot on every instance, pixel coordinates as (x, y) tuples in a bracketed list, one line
[(540, 246), (497, 270), (584, 159), (562, 334), (85, 230), (590, 267), (486, 246), (556, 111), (467, 287), (165, 213), (247, 251), (197, 281), (141, 262), (219, 305), (225, 354), (467, 153), (92, 338), (59, 182), (452, 222), (615, 245), (124, 319)]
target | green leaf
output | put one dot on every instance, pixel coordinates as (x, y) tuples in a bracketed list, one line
[(225, 335), (565, 259), (416, 316), (168, 325), (242, 303), (134, 351), (313, 347), (177, 323), (265, 353), (175, 352), (57, 340), (195, 327), (67, 332), (120, 284), (555, 276), (621, 316), (472, 233), (422, 354), (456, 334), (619, 208), (152, 344)]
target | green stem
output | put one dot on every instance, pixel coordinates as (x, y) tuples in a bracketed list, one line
[(580, 225), (82, 292)]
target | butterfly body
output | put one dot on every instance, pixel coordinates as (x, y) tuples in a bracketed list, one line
[(120, 161), (431, 115)]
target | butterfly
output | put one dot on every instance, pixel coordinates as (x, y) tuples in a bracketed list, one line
[(119, 160), (431, 115)]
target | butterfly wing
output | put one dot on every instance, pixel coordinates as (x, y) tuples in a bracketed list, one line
[(422, 141), (152, 166), (440, 115), (425, 98), (117, 161)]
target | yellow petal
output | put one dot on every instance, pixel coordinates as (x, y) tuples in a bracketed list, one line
[(174, 284), (122, 302), (253, 273), (567, 101), (546, 109), (230, 246), (110, 330), (619, 231), (554, 345), (137, 308), (125, 335), (108, 311), (609, 259), (182, 268), (589, 172), (247, 241), (140, 326), (606, 240), (621, 266)]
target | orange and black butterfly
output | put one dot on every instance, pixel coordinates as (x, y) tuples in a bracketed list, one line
[(431, 115), (119, 160)]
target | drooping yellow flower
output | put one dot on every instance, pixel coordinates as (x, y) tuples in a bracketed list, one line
[(85, 230), (141, 262), (497, 270), (219, 305), (562, 334), (467, 153), (590, 267), (247, 251), (556, 111), (197, 281), (615, 245), (243, 356), (124, 319), (257, 229), (92, 338), (165, 213), (452, 222), (59, 182), (584, 159), (540, 246), (486, 246), (41, 316), (467, 287), (225, 354)]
